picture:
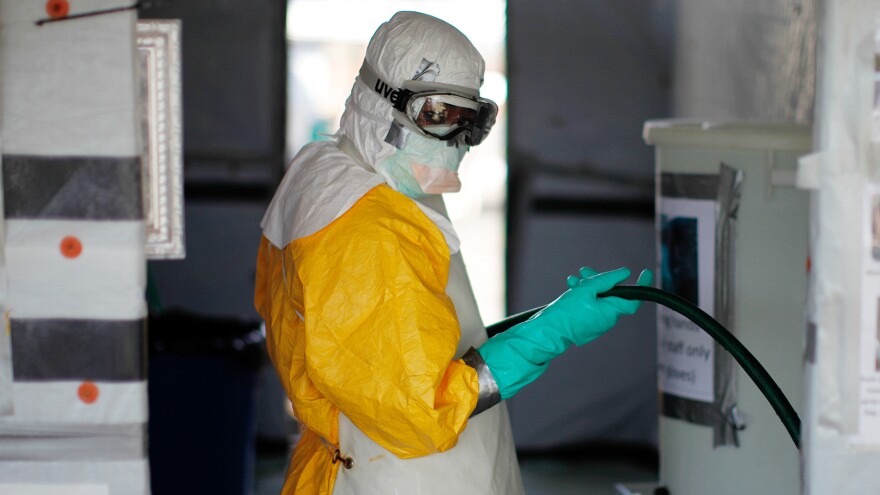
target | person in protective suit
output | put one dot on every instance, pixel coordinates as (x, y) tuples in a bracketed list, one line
[(371, 322)]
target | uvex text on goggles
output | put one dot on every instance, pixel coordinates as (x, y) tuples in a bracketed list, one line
[(442, 111)]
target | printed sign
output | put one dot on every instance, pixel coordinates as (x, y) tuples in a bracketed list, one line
[(686, 360)]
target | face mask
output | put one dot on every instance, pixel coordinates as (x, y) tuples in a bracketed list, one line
[(423, 167)]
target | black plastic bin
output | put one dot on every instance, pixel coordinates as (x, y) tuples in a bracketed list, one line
[(202, 387)]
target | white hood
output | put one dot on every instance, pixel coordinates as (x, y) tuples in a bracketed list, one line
[(395, 53)]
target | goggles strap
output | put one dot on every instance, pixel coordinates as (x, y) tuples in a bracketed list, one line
[(397, 133), (396, 96)]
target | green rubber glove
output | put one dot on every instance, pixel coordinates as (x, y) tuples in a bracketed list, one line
[(522, 353)]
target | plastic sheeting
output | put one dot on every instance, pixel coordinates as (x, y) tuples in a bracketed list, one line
[(740, 59), (844, 165), (73, 71), (73, 247), (5, 345)]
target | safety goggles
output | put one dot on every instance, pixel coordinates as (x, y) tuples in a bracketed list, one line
[(442, 111)]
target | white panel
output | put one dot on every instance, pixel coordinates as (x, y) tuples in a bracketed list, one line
[(56, 489), (60, 402), (122, 478), (105, 281), (68, 87)]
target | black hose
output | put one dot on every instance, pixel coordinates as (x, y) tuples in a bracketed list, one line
[(749, 363)]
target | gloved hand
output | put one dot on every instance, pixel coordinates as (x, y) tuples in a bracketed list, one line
[(522, 353)]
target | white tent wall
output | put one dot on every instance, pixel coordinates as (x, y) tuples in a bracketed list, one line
[(73, 242), (582, 79)]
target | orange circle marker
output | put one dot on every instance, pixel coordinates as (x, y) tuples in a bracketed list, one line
[(71, 247), (57, 8), (88, 392)]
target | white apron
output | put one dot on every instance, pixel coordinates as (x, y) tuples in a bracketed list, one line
[(482, 463)]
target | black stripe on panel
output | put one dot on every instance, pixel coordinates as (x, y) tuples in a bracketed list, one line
[(72, 188), (594, 207), (690, 186), (62, 349)]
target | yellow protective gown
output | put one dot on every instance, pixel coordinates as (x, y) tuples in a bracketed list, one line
[(353, 282)]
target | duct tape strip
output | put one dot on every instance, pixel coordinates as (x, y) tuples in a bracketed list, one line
[(729, 194), (725, 189), (63, 349), (72, 188), (81, 443)]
